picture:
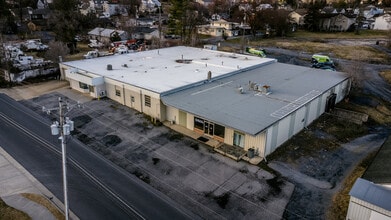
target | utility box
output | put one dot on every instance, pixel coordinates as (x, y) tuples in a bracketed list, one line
[(250, 153)]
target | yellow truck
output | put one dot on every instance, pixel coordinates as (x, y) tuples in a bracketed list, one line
[(254, 51)]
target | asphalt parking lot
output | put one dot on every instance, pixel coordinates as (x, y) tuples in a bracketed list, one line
[(188, 171)]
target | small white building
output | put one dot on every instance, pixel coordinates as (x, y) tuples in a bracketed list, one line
[(370, 196), (369, 201), (240, 100)]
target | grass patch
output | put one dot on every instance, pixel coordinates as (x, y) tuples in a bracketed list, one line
[(379, 114), (363, 34), (349, 52), (340, 203), (83, 49), (46, 203), (307, 142), (10, 213), (386, 75)]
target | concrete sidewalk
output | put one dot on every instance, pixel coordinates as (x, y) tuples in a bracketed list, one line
[(14, 180)]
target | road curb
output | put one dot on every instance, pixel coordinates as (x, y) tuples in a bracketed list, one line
[(36, 184)]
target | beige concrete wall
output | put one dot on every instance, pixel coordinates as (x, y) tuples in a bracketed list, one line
[(172, 114), (75, 85), (138, 103), (190, 121)]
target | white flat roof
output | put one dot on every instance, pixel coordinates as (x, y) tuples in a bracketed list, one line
[(159, 70)]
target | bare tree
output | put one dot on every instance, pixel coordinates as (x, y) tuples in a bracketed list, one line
[(56, 50)]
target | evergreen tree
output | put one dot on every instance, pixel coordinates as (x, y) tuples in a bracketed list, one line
[(312, 18)]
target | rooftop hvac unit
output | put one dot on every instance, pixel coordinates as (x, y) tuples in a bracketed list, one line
[(109, 67)]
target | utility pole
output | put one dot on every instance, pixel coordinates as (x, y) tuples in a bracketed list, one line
[(63, 128)]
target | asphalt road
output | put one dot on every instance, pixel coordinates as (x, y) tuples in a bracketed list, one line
[(97, 188)]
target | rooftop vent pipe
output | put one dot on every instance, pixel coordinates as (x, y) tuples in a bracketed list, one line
[(109, 67)]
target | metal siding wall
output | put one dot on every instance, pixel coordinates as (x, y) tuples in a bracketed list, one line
[(312, 110), (292, 124), (258, 142), (323, 100), (229, 136), (274, 135), (268, 144), (318, 105), (283, 131), (357, 211), (300, 120)]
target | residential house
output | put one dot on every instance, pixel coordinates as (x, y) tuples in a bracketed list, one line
[(370, 196), (297, 17), (338, 22), (145, 33), (382, 22), (114, 9), (219, 28), (104, 34)]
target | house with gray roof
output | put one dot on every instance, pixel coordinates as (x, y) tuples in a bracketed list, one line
[(249, 102)]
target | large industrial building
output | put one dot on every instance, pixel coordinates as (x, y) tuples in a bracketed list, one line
[(240, 100)]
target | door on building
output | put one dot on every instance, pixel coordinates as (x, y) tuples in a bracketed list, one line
[(182, 119), (330, 103), (208, 128), (238, 139)]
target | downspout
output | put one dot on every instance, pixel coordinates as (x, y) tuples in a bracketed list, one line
[(141, 101), (123, 92)]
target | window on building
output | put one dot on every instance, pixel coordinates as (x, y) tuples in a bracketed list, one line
[(147, 100), (83, 85), (219, 130), (118, 92), (199, 123), (132, 98)]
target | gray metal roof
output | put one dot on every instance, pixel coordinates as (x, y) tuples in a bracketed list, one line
[(252, 112), (372, 193), (379, 171)]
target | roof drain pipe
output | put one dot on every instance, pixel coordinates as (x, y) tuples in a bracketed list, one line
[(141, 101), (123, 92)]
